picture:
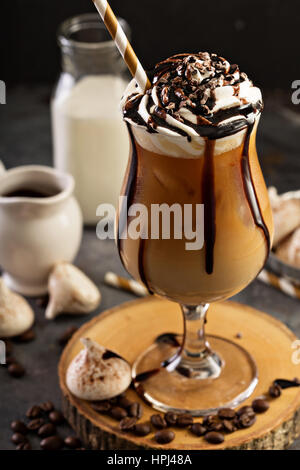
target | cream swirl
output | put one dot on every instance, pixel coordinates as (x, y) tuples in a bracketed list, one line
[(193, 95)]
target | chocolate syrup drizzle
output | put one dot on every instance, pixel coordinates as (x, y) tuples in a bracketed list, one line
[(208, 197), (249, 187), (130, 193)]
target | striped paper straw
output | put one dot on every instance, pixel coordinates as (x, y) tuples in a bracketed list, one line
[(280, 283), (120, 282), (122, 43)]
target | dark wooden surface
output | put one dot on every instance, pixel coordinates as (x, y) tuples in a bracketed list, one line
[(25, 138)]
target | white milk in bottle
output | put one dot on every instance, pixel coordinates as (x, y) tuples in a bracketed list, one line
[(90, 139)]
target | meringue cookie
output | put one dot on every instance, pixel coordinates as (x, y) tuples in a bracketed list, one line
[(286, 213), (16, 315), (71, 291), (289, 250), (91, 376)]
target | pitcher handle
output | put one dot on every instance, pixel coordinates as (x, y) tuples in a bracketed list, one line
[(2, 168)]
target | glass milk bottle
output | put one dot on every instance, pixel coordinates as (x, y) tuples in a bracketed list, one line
[(89, 138)]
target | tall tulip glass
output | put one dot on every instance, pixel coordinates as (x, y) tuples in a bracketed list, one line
[(195, 373)]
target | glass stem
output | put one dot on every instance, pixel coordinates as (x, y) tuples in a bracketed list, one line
[(196, 347), (198, 361)]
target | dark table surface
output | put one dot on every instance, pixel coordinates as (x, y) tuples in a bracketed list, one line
[(25, 138)]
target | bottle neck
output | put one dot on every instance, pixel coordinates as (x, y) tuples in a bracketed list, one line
[(79, 62), (87, 48)]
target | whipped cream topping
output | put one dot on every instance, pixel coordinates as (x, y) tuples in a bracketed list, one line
[(194, 95)]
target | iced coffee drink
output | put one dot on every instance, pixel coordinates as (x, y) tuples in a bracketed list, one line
[(193, 142)]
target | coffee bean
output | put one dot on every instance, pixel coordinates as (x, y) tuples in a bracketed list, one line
[(47, 430), (260, 405), (235, 423), (47, 406), (183, 421), (52, 443), (246, 420), (101, 406), (171, 418), (275, 390), (16, 370), (123, 402), (67, 335), (72, 442), (226, 413), (164, 436), (215, 426), (24, 446), (229, 425), (18, 438), (158, 421), (118, 413), (136, 410), (209, 419), (245, 409), (34, 412), (128, 423), (212, 423), (214, 437), (19, 426), (56, 417), (142, 429), (198, 429), (26, 337), (35, 424)]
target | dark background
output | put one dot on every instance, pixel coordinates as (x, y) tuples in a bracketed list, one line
[(260, 35)]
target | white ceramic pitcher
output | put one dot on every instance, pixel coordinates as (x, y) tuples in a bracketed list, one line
[(36, 232)]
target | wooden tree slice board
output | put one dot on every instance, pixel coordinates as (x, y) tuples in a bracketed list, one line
[(130, 328)]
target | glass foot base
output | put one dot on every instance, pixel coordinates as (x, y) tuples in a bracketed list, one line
[(198, 388)]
